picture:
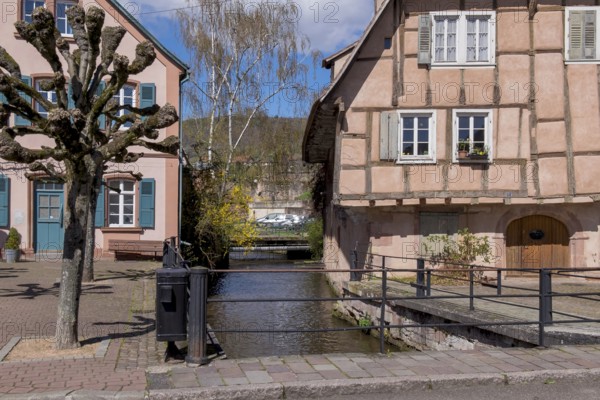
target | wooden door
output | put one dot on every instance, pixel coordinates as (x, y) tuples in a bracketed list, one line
[(535, 242)]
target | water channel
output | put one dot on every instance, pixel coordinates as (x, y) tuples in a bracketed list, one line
[(280, 315)]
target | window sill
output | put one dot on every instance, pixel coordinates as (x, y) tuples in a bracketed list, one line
[(416, 161), (473, 161), (574, 62), (463, 66), (68, 38), (122, 230)]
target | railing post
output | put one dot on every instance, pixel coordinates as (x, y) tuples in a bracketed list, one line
[(420, 277), (545, 303), (355, 276), (428, 283), (471, 289), (165, 255), (197, 317), (382, 315), (499, 283)]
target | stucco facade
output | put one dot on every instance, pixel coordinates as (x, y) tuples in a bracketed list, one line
[(503, 79), (28, 198)]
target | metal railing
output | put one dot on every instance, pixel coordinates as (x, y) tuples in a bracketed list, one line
[(423, 291)]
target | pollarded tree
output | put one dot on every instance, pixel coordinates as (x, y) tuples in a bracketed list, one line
[(82, 146)]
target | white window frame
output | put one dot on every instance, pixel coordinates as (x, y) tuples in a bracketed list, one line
[(489, 133), (461, 38), (69, 3), (120, 184), (24, 4), (417, 159), (49, 96), (568, 41), (121, 99)]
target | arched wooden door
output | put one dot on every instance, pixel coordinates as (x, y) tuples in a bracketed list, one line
[(537, 241)]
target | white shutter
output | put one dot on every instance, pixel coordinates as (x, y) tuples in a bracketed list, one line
[(424, 55)]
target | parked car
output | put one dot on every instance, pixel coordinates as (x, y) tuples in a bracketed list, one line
[(270, 218)]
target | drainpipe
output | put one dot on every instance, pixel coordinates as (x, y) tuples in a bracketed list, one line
[(185, 79)]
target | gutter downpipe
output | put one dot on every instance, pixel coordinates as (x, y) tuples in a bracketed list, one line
[(185, 79)]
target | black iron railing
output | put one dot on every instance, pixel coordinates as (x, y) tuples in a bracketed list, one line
[(422, 285)]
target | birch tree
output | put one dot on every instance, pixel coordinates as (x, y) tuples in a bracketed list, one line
[(82, 148), (245, 54)]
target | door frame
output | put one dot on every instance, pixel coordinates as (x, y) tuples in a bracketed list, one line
[(36, 192)]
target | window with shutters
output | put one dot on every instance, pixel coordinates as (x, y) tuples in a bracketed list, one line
[(581, 41), (126, 97), (48, 95), (417, 137), (121, 203), (408, 137), (458, 38)]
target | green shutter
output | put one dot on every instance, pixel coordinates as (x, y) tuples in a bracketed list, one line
[(147, 203), (18, 119), (147, 95), (70, 101), (99, 220), (102, 117), (388, 136), (4, 192), (424, 45), (582, 35)]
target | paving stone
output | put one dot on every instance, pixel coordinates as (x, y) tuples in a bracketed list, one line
[(325, 367), (236, 381), (259, 377)]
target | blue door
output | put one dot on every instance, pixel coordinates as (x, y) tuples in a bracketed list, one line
[(49, 233)]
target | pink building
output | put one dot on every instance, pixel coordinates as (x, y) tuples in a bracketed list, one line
[(143, 211), (453, 114)]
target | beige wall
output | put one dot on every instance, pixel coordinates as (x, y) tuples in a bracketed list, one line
[(540, 149), (164, 169)]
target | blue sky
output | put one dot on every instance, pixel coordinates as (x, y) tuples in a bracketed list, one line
[(329, 25)]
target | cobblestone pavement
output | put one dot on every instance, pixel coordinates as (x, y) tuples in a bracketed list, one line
[(430, 364), (119, 306)]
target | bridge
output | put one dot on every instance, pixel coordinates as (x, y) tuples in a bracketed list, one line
[(292, 242)]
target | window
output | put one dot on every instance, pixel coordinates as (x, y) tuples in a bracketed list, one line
[(581, 42), (49, 95), (461, 38), (126, 96), (417, 137), (29, 6), (472, 135), (121, 204), (61, 17)]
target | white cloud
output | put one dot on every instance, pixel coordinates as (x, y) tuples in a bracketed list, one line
[(329, 24)]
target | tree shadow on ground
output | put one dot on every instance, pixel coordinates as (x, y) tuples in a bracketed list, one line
[(129, 274), (31, 291), (140, 326), (10, 272)]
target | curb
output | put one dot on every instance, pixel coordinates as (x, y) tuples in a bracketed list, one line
[(341, 387)]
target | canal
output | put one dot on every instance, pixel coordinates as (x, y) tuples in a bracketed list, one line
[(280, 315)]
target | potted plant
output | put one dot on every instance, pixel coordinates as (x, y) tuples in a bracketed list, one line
[(479, 153), (463, 148), (12, 246)]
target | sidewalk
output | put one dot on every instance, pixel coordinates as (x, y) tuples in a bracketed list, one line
[(120, 306)]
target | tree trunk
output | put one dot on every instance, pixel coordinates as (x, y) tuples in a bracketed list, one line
[(79, 189), (90, 243)]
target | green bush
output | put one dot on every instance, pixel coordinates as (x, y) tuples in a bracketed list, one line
[(314, 231), (13, 241)]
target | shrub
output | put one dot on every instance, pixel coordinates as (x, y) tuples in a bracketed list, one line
[(314, 231), (13, 241)]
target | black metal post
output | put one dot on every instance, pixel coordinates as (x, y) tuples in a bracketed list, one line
[(420, 277), (499, 283), (471, 289), (165, 254), (545, 303), (382, 315), (354, 276), (197, 317), (428, 283)]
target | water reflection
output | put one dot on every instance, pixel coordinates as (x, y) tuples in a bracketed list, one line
[(280, 315)]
